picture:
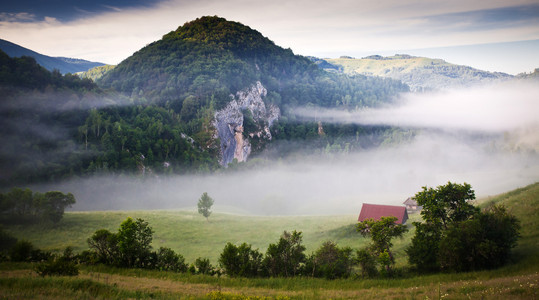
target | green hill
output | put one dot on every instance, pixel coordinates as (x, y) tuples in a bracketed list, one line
[(207, 94), (226, 91), (212, 58), (420, 73), (96, 72)]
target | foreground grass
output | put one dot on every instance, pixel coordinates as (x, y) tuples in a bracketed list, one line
[(110, 283)]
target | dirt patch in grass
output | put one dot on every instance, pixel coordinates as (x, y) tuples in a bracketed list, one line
[(512, 287)]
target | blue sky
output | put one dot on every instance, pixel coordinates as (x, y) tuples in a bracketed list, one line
[(486, 34)]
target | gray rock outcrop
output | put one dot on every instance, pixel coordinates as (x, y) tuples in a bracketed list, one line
[(229, 123)]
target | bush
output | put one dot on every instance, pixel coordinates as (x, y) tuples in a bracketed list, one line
[(60, 266), (367, 262), (203, 266), (423, 251), (241, 260), (287, 256), (105, 246), (331, 262), (168, 260), (483, 242), (134, 240), (7, 241), (25, 251)]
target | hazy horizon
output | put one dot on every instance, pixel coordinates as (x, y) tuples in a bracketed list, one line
[(110, 32)]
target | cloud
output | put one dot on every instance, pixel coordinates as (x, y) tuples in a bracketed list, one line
[(17, 17), (339, 27), (320, 184), (484, 136), (493, 108)]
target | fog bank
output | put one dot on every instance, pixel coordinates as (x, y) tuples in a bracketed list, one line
[(321, 184), (492, 108), (484, 136)]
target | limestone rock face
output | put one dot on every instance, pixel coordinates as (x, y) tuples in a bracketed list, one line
[(229, 123)]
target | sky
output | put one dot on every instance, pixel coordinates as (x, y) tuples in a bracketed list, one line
[(493, 35)]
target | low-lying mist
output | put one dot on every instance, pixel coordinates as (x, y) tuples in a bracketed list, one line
[(486, 137)]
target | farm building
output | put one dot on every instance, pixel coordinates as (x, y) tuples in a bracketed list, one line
[(411, 205), (376, 211)]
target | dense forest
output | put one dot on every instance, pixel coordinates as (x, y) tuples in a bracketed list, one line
[(153, 113)]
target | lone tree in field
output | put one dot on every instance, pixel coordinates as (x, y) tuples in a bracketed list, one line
[(204, 205)]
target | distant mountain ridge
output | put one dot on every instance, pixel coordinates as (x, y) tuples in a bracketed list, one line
[(63, 64), (420, 73)]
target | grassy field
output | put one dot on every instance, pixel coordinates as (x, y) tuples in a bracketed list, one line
[(191, 235), (376, 67)]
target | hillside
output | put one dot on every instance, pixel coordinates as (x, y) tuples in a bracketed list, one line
[(40, 113), (211, 93), (96, 73), (189, 234), (63, 64), (223, 79), (420, 73)]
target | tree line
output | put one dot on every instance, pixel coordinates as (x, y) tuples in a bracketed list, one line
[(24, 206)]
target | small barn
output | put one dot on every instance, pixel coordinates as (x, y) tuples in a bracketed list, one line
[(411, 205), (376, 211)]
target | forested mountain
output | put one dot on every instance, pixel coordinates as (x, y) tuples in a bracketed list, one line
[(39, 112), (420, 73), (193, 71), (210, 93), (63, 64)]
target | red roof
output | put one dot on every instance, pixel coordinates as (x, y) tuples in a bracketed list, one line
[(375, 211)]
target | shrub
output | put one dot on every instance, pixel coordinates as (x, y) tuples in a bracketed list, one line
[(367, 262), (60, 266), (105, 245), (483, 242), (203, 266), (241, 260), (423, 251), (287, 256), (168, 260), (7, 241), (331, 262), (25, 251), (134, 239)]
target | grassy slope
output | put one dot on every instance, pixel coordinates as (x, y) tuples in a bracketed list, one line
[(191, 235), (377, 67), (518, 280)]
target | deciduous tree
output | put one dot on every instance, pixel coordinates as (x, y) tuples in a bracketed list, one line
[(204, 205)]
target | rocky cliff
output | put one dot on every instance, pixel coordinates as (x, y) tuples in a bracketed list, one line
[(229, 123)]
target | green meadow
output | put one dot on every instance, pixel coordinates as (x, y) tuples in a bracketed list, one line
[(191, 235)]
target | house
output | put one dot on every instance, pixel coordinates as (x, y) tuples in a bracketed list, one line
[(376, 211), (411, 205)]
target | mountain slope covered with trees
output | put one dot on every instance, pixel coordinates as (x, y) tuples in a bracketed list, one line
[(156, 111)]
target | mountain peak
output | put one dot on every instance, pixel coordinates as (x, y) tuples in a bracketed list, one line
[(217, 32)]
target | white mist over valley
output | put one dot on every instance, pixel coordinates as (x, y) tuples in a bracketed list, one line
[(485, 136)]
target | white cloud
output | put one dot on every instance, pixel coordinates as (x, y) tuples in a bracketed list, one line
[(492, 108), (342, 26), (17, 17)]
